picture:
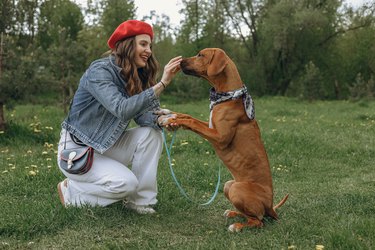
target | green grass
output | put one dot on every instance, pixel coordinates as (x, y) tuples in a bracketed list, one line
[(321, 153)]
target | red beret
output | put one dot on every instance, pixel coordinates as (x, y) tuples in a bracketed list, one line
[(127, 29)]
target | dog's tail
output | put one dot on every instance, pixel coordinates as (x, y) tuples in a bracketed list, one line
[(281, 202), (271, 212)]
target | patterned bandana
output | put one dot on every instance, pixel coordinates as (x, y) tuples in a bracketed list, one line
[(218, 97)]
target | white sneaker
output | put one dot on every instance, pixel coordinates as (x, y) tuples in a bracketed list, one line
[(61, 189), (139, 208)]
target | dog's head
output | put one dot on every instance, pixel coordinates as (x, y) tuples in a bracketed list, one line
[(208, 63)]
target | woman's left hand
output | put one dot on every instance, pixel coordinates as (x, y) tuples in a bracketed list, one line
[(171, 69)]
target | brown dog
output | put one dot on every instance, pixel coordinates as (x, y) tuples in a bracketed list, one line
[(235, 135)]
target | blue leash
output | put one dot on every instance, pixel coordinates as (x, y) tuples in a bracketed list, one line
[(182, 191)]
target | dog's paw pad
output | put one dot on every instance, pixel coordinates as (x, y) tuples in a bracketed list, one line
[(233, 229)]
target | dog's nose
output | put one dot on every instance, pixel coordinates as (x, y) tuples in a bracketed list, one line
[(183, 63)]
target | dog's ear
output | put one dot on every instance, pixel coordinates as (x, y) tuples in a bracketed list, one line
[(218, 63)]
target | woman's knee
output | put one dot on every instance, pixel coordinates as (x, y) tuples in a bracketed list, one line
[(122, 186)]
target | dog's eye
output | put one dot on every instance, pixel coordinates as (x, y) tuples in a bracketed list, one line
[(199, 55)]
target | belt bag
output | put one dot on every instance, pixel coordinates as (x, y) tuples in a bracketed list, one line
[(77, 160)]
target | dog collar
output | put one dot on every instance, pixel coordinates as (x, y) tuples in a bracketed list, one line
[(219, 97)]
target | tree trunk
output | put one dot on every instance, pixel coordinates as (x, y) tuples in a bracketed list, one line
[(2, 120)]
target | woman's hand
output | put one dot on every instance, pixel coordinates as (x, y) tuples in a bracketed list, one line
[(171, 69)]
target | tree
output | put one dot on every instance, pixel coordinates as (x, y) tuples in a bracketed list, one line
[(290, 36), (245, 17), (7, 12), (13, 84), (56, 15), (64, 63), (116, 12)]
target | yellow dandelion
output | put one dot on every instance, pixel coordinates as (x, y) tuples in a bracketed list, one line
[(32, 173), (2, 132), (49, 166), (205, 164), (184, 143), (37, 130), (5, 171), (207, 152), (292, 247), (13, 168), (44, 153), (319, 247), (48, 159), (48, 145), (29, 152)]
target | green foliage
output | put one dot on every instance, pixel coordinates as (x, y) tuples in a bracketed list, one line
[(7, 11), (56, 17), (116, 12), (273, 43), (320, 153), (362, 89)]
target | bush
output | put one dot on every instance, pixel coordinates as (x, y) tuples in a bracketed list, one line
[(362, 89)]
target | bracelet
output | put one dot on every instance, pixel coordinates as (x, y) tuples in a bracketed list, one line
[(162, 83)]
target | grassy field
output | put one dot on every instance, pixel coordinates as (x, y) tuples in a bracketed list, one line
[(321, 153)]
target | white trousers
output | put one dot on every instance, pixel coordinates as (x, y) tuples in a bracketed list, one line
[(109, 179)]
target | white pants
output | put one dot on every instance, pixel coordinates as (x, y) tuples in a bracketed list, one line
[(109, 179)]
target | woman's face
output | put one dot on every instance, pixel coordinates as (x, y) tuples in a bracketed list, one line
[(142, 50)]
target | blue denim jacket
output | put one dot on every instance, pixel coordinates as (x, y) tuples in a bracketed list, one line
[(101, 109)]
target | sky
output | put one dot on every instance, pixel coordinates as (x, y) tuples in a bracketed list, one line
[(172, 7)]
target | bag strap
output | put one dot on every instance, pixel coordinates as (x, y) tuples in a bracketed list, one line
[(74, 138), (66, 131)]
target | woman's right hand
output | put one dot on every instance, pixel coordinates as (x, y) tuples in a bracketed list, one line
[(171, 69)]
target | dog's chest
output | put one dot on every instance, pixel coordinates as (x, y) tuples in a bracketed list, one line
[(210, 121)]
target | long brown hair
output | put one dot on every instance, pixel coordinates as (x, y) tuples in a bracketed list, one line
[(136, 79)]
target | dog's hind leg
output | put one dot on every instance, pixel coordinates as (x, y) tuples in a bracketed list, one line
[(250, 200), (230, 213)]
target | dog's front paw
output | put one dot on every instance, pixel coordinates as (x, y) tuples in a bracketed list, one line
[(164, 120), (234, 228), (162, 112)]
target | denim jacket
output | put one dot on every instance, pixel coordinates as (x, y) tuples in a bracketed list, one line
[(101, 109)]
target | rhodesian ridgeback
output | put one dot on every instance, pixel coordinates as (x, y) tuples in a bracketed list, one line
[(235, 136)]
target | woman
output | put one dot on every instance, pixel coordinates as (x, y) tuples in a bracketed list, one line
[(112, 92)]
